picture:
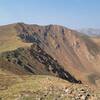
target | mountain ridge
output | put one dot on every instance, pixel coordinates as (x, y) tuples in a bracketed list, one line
[(90, 31), (48, 62), (34, 61), (77, 54)]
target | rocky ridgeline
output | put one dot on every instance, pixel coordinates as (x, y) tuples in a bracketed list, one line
[(35, 60), (51, 64)]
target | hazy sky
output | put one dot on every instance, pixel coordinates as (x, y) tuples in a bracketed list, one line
[(69, 13)]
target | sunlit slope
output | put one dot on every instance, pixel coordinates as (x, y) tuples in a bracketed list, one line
[(9, 39), (42, 88), (78, 55)]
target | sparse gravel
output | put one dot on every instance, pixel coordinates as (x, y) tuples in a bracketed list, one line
[(74, 92)]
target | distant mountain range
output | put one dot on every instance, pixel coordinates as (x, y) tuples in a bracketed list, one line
[(90, 31)]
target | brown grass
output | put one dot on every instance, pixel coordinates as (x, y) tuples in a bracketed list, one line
[(9, 40), (14, 85)]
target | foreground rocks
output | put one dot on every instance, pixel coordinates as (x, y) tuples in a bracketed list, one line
[(40, 87), (73, 92), (58, 94)]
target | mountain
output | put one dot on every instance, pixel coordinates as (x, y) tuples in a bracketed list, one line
[(78, 55), (9, 39), (48, 63), (90, 31), (33, 61)]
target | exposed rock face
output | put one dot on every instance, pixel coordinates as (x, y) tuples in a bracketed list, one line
[(78, 54), (36, 61)]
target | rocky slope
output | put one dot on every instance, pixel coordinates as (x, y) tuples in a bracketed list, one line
[(34, 61), (43, 88), (31, 55), (78, 55)]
